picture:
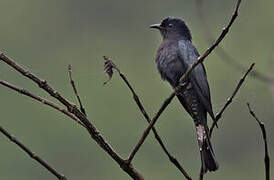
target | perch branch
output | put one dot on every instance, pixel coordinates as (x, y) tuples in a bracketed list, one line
[(229, 100), (266, 158), (94, 133), (109, 63), (32, 154), (185, 75)]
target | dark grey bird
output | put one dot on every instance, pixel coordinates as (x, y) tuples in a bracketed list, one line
[(175, 54)]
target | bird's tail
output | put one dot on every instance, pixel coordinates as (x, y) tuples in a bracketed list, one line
[(207, 155)]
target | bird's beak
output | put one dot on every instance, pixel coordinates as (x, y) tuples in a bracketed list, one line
[(155, 26)]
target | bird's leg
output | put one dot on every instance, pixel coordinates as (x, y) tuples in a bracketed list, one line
[(181, 87)]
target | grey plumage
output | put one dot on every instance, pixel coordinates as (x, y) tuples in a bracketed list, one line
[(175, 54)]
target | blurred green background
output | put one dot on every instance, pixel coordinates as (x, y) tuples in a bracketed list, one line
[(46, 36)]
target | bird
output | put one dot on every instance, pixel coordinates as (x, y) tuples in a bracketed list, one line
[(175, 54)]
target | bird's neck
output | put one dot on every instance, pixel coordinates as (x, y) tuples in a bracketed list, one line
[(175, 38), (170, 40)]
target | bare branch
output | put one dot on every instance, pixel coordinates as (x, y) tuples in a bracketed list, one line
[(32, 154), (185, 75), (229, 100), (266, 158), (41, 83), (215, 44), (146, 132), (75, 90), (94, 133), (145, 114), (42, 100), (220, 51)]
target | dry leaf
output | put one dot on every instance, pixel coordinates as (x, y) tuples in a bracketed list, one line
[(108, 68)]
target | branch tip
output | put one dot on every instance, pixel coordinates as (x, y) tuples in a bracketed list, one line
[(262, 127), (230, 99)]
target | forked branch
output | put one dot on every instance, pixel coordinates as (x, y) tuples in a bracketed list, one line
[(94, 133)]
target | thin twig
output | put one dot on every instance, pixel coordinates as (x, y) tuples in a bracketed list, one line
[(42, 100), (220, 51), (229, 100), (145, 114), (94, 133), (266, 158), (185, 75), (146, 132), (75, 90), (32, 154)]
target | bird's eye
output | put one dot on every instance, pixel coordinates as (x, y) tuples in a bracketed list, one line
[(170, 25)]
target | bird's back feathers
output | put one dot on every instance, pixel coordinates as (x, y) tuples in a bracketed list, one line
[(188, 55)]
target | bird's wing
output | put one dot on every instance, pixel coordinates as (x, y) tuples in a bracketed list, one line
[(188, 54)]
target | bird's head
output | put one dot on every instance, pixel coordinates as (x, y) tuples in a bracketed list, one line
[(173, 28)]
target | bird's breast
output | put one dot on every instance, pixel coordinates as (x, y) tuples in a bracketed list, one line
[(168, 63)]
